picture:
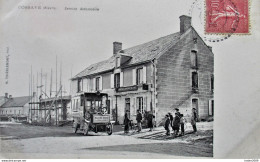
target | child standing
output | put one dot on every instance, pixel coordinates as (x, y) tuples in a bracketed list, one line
[(167, 124), (182, 121)]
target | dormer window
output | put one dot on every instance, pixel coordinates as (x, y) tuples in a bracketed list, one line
[(79, 85), (117, 62)]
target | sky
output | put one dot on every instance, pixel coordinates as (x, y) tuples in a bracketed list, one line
[(80, 38)]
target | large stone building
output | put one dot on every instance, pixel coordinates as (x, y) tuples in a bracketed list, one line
[(174, 71)]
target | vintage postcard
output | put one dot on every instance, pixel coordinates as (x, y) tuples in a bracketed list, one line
[(131, 79)]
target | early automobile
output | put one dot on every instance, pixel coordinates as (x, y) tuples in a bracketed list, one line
[(91, 112)]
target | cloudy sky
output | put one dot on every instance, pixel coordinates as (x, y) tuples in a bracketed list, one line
[(79, 38)]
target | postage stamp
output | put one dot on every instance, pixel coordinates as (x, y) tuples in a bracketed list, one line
[(227, 16)]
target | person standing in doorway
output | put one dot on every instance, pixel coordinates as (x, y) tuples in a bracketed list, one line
[(126, 123), (139, 120), (150, 120), (194, 119)]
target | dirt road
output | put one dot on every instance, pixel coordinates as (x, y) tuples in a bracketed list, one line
[(26, 141)]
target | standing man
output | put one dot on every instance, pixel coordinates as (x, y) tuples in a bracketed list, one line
[(194, 119), (139, 120)]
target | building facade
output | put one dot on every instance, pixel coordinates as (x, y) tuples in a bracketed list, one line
[(174, 71), (15, 107)]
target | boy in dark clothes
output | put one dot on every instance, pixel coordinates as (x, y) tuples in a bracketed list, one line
[(166, 125), (182, 121), (194, 119), (176, 124)]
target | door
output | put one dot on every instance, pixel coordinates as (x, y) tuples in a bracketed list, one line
[(127, 107), (195, 105)]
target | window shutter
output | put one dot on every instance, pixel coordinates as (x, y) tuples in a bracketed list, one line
[(88, 85), (134, 76), (145, 103), (112, 81), (144, 74), (210, 108), (100, 83), (121, 79), (94, 84)]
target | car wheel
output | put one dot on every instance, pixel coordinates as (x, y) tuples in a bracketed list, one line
[(85, 132), (109, 129)]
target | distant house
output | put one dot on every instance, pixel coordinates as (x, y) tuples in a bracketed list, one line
[(15, 106), (174, 71)]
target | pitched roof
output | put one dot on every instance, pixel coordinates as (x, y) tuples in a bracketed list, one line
[(139, 54), (16, 102)]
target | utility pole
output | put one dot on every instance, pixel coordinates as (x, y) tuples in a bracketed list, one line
[(29, 96), (31, 93), (45, 96), (40, 111), (56, 92), (61, 90)]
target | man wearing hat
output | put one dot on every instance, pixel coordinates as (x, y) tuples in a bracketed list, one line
[(139, 120), (193, 119)]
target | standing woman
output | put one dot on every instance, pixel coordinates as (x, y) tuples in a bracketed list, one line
[(194, 119), (126, 123)]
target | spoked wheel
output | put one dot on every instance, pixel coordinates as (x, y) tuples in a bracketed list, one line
[(109, 129), (86, 129)]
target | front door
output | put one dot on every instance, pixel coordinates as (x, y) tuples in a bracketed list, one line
[(195, 105), (127, 107)]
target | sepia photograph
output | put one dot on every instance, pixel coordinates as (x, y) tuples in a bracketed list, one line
[(139, 79)]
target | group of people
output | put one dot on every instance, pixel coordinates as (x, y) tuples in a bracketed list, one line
[(178, 122), (149, 117)]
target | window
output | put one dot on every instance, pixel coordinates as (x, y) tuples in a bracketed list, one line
[(193, 59), (140, 104), (211, 107), (19, 111), (97, 83), (139, 76), (194, 80), (79, 85), (117, 62), (117, 80), (212, 83)]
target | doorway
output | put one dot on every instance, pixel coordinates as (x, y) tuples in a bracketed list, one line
[(127, 107), (195, 104)]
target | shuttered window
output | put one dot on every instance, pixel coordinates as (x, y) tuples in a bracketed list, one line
[(194, 79), (117, 80), (139, 76), (79, 85), (194, 60), (140, 104), (97, 83)]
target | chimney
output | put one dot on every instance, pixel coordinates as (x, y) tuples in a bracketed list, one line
[(6, 95), (117, 46), (185, 23), (10, 96)]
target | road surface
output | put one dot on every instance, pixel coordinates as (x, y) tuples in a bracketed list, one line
[(25, 141)]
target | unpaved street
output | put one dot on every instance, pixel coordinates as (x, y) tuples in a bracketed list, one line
[(26, 141)]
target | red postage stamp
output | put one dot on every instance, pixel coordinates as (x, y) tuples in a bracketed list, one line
[(227, 16)]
